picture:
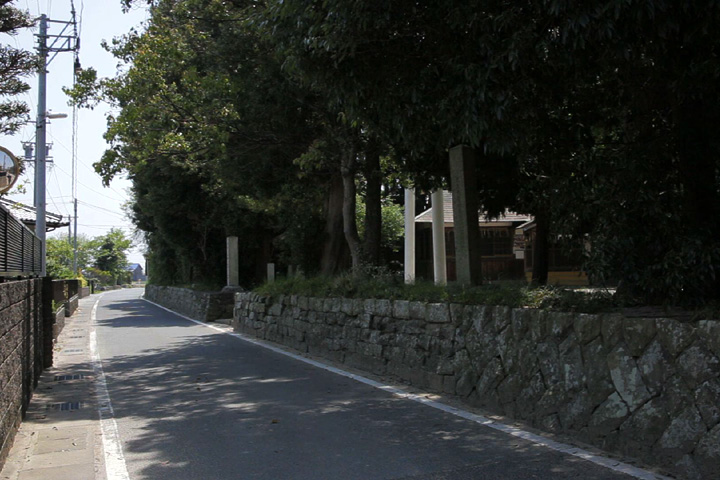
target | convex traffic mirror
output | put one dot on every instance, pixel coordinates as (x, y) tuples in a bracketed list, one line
[(9, 169)]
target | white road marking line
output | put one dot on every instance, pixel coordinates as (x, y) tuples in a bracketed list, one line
[(606, 462), (115, 468)]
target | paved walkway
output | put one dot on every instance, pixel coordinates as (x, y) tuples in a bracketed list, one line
[(59, 438)]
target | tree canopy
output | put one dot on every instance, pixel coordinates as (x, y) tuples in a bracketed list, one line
[(60, 253), (104, 256), (15, 64), (601, 117), (208, 131), (255, 119)]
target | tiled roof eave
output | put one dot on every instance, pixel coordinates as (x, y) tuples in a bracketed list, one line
[(507, 219)]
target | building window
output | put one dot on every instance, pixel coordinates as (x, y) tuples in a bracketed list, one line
[(495, 242)]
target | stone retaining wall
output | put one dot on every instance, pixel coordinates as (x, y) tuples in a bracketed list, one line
[(71, 305), (648, 388), (203, 306), (59, 321), (21, 353)]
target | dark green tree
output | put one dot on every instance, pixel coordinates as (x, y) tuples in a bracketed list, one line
[(208, 130), (110, 252), (60, 253), (15, 64), (600, 118), (602, 114)]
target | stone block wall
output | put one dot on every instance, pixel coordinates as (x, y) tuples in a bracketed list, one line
[(73, 287), (59, 291), (66, 292), (73, 298), (71, 305), (58, 321), (203, 306), (648, 388), (21, 353)]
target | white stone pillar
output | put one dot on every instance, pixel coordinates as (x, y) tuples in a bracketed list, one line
[(438, 238), (233, 260), (409, 235), (270, 272)]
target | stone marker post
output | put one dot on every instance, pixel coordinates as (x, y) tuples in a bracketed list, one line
[(233, 259), (468, 259), (409, 235), (270, 272), (438, 238)]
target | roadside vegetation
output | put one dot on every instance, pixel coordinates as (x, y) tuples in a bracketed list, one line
[(274, 121), (102, 258), (384, 284)]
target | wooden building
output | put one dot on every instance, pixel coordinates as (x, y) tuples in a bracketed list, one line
[(563, 262), (501, 244), (506, 245)]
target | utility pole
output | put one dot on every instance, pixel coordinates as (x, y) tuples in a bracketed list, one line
[(40, 143), (76, 71), (61, 43), (75, 265)]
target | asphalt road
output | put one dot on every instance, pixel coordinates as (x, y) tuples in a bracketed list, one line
[(194, 403)]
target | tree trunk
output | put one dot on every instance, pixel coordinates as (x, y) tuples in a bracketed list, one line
[(696, 132), (541, 250), (373, 205), (697, 152), (347, 169), (334, 245), (696, 136), (264, 256)]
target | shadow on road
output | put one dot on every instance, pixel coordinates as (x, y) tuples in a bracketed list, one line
[(203, 405), (136, 313)]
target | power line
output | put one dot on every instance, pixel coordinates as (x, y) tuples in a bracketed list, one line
[(57, 182), (82, 7), (59, 142), (90, 188), (103, 209), (120, 227), (53, 173), (100, 193)]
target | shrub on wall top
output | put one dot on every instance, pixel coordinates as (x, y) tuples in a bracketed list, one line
[(393, 287)]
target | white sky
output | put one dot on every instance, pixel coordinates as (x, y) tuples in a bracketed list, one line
[(99, 208)]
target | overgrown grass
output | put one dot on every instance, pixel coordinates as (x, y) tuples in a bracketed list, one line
[(198, 287), (391, 286)]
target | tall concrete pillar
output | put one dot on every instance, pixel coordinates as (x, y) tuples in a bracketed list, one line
[(438, 238), (409, 235), (468, 260), (233, 260)]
